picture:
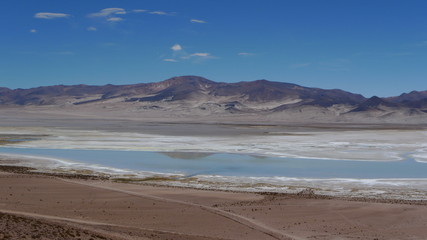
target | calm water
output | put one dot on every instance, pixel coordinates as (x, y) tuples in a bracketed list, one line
[(233, 164)]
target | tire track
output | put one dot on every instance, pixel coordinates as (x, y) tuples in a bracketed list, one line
[(248, 222)]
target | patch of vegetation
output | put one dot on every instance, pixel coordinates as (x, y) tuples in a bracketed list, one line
[(69, 175), (147, 179), (16, 169)]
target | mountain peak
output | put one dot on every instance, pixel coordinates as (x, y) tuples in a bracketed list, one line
[(187, 79), (412, 96), (183, 82), (373, 103)]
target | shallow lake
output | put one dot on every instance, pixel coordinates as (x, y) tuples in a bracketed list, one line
[(194, 163)]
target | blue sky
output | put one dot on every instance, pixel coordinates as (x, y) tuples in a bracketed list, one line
[(375, 47)]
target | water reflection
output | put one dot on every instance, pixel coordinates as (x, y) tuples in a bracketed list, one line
[(196, 163), (187, 155)]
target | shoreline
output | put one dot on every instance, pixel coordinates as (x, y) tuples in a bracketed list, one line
[(305, 192), (398, 189)]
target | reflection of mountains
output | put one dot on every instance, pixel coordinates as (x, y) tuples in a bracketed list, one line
[(259, 156), (186, 155)]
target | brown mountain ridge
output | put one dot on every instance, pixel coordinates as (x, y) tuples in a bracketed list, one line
[(198, 95)]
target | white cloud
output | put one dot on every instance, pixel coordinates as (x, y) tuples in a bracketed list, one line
[(92, 29), (115, 19), (197, 21), (245, 54), (178, 52), (48, 15), (33, 31), (139, 10), (176, 47), (169, 60), (159, 13), (200, 55), (106, 12)]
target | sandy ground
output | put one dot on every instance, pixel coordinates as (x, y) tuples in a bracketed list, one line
[(47, 207)]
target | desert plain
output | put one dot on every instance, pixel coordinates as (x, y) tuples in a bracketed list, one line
[(40, 198)]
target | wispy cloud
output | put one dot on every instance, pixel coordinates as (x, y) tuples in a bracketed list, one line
[(245, 54), (200, 55), (93, 29), (176, 47), (300, 65), (197, 21), (139, 10), (169, 60), (115, 19), (49, 15), (178, 52), (153, 12), (106, 12), (33, 31), (159, 13)]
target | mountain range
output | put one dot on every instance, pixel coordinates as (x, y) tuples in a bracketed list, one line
[(198, 96)]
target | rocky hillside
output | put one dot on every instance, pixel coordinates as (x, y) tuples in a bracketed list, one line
[(185, 88), (199, 96)]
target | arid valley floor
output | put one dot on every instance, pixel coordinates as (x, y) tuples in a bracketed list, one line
[(84, 204)]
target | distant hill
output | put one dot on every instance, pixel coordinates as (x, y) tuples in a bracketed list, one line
[(182, 88), (409, 97), (193, 95)]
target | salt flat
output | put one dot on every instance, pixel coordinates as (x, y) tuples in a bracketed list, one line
[(279, 207), (363, 145), (380, 145)]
